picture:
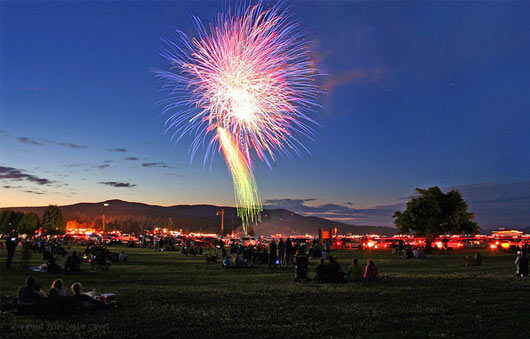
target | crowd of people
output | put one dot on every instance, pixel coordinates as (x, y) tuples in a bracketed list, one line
[(277, 253), (408, 252), (286, 253), (281, 253), (56, 258), (101, 257), (32, 299)]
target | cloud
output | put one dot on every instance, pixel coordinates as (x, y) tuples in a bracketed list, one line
[(28, 141), (292, 204), (380, 216), (117, 184), (10, 173), (67, 144), (157, 164), (32, 192), (11, 187), (132, 158), (108, 161), (36, 142), (300, 206), (103, 166), (122, 150), (175, 175)]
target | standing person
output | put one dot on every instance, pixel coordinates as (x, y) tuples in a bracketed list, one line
[(281, 252), (522, 264), (301, 268), (11, 245), (445, 241), (400, 246), (289, 251), (327, 246), (273, 253)]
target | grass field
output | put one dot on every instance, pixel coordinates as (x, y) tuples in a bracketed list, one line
[(164, 294)]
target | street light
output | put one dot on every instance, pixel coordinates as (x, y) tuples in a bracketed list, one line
[(103, 216), (222, 213)]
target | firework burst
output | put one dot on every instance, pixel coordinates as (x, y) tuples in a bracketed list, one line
[(244, 86)]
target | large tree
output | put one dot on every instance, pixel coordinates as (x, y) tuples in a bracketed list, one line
[(53, 221), (29, 223), (9, 221), (432, 212)]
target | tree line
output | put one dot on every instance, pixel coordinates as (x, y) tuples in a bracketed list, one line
[(52, 222)]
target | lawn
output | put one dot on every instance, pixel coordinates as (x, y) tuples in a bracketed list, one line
[(165, 294)]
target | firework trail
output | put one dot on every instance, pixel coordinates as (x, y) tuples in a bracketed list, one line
[(242, 86)]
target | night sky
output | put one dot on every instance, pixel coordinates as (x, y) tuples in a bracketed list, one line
[(418, 94)]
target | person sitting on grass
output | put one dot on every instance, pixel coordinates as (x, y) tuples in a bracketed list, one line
[(476, 260), (86, 303), (227, 263), (321, 271), (31, 292), (59, 286), (371, 271), (101, 259), (407, 253), (418, 254), (334, 273), (73, 262), (51, 263), (522, 264), (122, 257), (30, 297), (240, 262), (55, 303), (355, 271)]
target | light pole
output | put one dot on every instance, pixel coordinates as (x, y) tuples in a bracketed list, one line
[(103, 216), (222, 213)]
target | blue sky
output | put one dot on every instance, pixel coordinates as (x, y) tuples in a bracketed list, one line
[(419, 94)]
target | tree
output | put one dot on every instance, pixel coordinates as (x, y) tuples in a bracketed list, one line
[(9, 221), (53, 220), (432, 213), (29, 223)]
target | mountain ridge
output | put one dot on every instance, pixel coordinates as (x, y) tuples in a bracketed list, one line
[(197, 218)]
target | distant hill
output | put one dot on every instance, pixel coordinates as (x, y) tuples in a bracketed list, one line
[(131, 216)]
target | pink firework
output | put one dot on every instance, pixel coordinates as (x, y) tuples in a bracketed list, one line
[(249, 75)]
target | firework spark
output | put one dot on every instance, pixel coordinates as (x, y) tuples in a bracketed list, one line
[(244, 86)]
